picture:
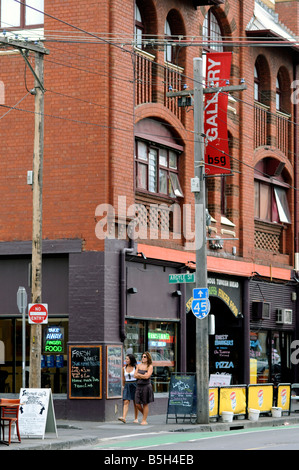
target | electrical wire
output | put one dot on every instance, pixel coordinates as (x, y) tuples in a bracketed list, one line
[(181, 42)]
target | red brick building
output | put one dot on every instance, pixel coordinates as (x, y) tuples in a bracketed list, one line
[(117, 202)]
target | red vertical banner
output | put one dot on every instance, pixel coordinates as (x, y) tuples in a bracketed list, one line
[(215, 116)]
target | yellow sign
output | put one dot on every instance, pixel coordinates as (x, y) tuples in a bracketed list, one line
[(284, 396), (232, 399), (253, 370), (213, 402), (260, 397)]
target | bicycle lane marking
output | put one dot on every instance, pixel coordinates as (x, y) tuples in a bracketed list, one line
[(163, 438)]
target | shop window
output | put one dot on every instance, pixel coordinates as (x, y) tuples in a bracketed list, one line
[(270, 357), (160, 339), (53, 360), (259, 357), (20, 15)]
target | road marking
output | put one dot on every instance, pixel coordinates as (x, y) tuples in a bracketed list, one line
[(161, 439)]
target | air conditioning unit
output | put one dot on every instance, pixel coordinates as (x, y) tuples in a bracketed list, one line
[(284, 316), (261, 310)]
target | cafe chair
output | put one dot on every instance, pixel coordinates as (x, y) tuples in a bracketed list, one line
[(9, 416)]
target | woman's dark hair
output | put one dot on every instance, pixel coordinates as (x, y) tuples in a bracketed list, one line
[(149, 358), (132, 358)]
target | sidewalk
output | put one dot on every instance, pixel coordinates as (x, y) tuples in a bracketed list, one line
[(79, 433)]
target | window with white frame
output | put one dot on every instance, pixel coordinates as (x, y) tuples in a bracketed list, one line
[(271, 203), (278, 95), (157, 169), (211, 31), (256, 85), (26, 14), (168, 51), (139, 28)]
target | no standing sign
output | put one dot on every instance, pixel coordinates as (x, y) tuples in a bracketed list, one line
[(38, 314)]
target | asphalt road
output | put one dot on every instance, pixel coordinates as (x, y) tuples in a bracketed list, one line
[(273, 438)]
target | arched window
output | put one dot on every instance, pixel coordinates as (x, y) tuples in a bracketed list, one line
[(270, 194), (278, 95), (211, 31), (157, 160), (168, 51), (256, 85), (139, 28)]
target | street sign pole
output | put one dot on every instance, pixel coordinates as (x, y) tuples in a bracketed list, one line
[(202, 325), (22, 305)]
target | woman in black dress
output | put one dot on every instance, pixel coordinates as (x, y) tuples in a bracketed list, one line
[(129, 385), (144, 391)]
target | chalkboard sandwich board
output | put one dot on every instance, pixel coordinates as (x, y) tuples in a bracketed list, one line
[(182, 395), (114, 368), (85, 371)]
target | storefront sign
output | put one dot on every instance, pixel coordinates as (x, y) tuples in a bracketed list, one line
[(114, 371), (54, 340), (85, 371), (36, 415), (159, 336), (228, 290), (215, 125), (181, 395)]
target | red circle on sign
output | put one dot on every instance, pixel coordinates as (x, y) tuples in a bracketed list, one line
[(38, 313)]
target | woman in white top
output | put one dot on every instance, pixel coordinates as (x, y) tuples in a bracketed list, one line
[(129, 386)]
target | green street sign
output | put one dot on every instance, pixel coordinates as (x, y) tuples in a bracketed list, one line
[(181, 278)]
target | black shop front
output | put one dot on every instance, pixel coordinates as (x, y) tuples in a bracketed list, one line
[(226, 339)]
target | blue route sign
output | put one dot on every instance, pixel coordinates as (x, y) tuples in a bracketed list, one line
[(200, 304), (201, 293)]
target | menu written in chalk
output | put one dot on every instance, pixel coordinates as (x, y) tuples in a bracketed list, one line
[(181, 394), (85, 371)]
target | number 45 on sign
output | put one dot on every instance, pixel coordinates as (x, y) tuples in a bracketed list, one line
[(200, 304)]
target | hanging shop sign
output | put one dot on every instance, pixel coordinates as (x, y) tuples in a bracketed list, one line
[(54, 340), (215, 119)]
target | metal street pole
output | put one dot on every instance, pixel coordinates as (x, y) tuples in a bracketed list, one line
[(22, 305), (202, 325)]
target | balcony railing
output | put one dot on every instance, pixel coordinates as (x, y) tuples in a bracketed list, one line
[(262, 120), (260, 124), (282, 132), (153, 82), (173, 80), (143, 77)]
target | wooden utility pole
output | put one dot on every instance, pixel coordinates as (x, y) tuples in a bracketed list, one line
[(24, 47), (36, 280)]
